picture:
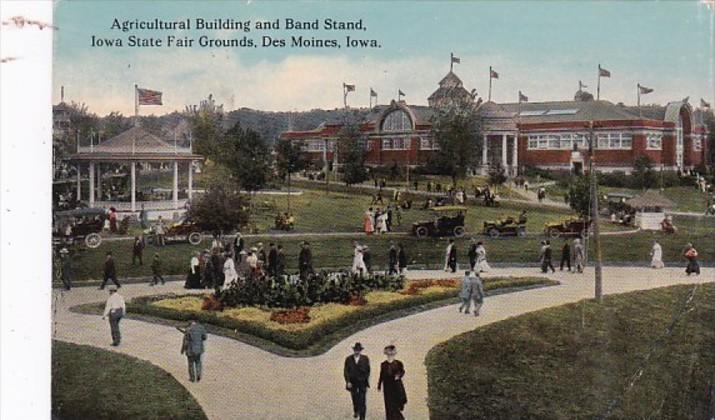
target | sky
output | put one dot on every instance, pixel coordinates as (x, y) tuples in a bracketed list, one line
[(541, 48)]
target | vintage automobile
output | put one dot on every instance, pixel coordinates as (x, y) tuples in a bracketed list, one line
[(448, 221), (569, 227), (180, 231), (82, 224), (508, 226)]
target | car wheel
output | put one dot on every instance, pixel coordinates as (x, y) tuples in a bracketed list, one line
[(493, 232), (93, 240), (554, 233), (459, 231), (195, 238), (421, 232), (521, 232)]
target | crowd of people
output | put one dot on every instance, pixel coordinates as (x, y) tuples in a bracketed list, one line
[(381, 220)]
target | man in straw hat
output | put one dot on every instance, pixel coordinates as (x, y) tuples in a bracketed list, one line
[(115, 308), (357, 376)]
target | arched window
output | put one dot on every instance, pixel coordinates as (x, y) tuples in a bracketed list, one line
[(397, 120)]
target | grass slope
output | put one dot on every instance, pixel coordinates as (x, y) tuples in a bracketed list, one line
[(89, 383), (545, 365)]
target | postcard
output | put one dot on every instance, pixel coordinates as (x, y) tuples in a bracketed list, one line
[(334, 210)]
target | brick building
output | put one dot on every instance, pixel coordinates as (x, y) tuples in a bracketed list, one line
[(548, 135)]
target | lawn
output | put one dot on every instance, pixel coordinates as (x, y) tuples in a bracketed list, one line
[(89, 383), (337, 252), (574, 361), (329, 323)]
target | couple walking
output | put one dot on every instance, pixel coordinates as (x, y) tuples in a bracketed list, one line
[(472, 291), (357, 381)]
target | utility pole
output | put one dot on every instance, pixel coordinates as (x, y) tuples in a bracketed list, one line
[(594, 216)]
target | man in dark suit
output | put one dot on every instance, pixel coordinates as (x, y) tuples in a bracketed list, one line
[(305, 260), (392, 260), (280, 261), (357, 377), (272, 260), (110, 272), (472, 254), (452, 258), (401, 259)]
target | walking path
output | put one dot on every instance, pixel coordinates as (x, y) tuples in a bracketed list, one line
[(244, 382)]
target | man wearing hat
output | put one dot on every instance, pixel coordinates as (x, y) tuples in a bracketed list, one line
[(305, 260), (67, 273), (357, 376), (110, 272), (193, 347), (114, 309)]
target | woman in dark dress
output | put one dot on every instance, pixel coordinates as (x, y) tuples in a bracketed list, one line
[(391, 373)]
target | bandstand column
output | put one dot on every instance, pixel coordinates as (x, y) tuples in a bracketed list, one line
[(503, 152), (91, 184), (515, 154), (99, 181), (175, 195), (485, 151), (79, 182), (134, 186), (190, 191)]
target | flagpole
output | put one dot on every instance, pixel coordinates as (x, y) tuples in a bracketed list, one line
[(136, 105), (490, 84), (345, 96), (451, 62), (638, 88), (598, 86)]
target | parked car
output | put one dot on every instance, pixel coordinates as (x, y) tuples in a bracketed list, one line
[(448, 221), (182, 231), (569, 227), (508, 226), (83, 224)]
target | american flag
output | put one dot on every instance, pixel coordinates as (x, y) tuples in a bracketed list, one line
[(644, 90), (603, 72), (348, 88), (493, 74), (149, 97)]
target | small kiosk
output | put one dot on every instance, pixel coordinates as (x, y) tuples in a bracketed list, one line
[(650, 208)]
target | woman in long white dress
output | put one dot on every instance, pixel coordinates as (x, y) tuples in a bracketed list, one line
[(482, 265), (229, 272), (656, 256), (358, 261), (382, 223)]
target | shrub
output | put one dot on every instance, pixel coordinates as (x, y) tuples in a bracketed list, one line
[(290, 291)]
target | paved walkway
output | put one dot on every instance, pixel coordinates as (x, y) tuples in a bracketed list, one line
[(244, 382)]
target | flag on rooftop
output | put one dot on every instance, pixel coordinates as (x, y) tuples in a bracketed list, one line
[(644, 90), (523, 98), (581, 85), (373, 93), (603, 72), (349, 88), (493, 74), (400, 93), (456, 60), (148, 97)]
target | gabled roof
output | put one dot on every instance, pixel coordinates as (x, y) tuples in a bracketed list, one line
[(560, 111), (650, 199), (137, 140)]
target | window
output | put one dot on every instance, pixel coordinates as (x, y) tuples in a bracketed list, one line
[(397, 121), (563, 141), (313, 145), (531, 113), (428, 144), (561, 111), (697, 143), (614, 141), (395, 143), (654, 141)]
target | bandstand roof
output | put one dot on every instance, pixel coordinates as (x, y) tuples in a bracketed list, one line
[(650, 199), (135, 144)]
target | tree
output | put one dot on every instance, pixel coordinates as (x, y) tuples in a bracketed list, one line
[(248, 158), (351, 151), (288, 158), (207, 128), (643, 176), (456, 129), (579, 195), (497, 175), (220, 210)]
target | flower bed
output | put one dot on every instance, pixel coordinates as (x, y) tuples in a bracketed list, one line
[(327, 322)]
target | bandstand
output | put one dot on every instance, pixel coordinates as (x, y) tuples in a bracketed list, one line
[(132, 148)]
